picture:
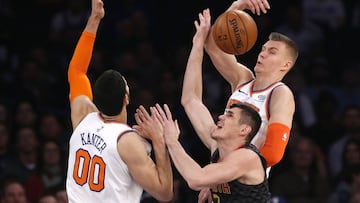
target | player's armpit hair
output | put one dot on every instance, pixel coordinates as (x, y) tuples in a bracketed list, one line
[(277, 137)]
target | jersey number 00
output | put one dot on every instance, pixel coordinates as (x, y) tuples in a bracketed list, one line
[(90, 170)]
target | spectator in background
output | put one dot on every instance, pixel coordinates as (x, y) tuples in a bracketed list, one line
[(342, 188), (51, 173), (52, 127), (348, 92), (330, 14), (47, 198), (306, 179), (61, 196), (26, 114), (327, 121), (6, 157), (27, 152), (67, 24), (307, 35), (5, 114), (13, 191), (350, 122)]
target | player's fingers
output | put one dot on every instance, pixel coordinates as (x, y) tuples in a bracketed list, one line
[(256, 6), (207, 16), (263, 6), (168, 112), (161, 112), (177, 126), (157, 115), (196, 23), (252, 6), (137, 118), (266, 4), (154, 112), (143, 112)]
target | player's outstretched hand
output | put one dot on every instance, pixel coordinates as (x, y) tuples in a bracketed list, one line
[(148, 125), (202, 27), (97, 10), (171, 127), (255, 6)]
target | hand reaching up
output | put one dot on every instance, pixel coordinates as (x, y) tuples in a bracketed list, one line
[(149, 126), (171, 127)]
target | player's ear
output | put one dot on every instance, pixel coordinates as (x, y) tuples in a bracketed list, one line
[(126, 100), (286, 66), (245, 130)]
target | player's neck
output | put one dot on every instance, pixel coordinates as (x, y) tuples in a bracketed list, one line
[(261, 83), (119, 118), (226, 147)]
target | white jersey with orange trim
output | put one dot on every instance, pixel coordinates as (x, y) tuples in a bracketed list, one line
[(259, 99), (96, 173)]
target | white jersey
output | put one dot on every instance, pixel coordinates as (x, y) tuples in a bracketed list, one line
[(96, 173), (261, 100)]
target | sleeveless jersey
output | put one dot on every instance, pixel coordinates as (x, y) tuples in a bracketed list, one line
[(259, 99), (96, 173), (236, 192)]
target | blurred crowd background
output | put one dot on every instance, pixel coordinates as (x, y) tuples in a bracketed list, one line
[(149, 42)]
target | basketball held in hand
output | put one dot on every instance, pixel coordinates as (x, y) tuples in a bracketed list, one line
[(235, 32)]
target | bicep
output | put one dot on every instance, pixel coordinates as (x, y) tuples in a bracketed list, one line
[(141, 167), (201, 120), (282, 106), (80, 107)]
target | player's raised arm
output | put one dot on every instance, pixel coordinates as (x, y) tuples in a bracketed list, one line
[(227, 65), (80, 87), (191, 98)]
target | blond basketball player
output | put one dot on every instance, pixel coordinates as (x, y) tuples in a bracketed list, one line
[(108, 160), (265, 91)]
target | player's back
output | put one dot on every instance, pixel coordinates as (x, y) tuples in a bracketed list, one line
[(96, 172)]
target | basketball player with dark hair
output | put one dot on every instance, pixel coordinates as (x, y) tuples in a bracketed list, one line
[(108, 160), (240, 167)]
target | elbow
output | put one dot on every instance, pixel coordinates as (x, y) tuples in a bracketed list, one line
[(166, 196), (194, 184), (273, 159), (185, 100)]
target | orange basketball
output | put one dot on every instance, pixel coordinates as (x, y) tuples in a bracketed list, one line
[(235, 32)]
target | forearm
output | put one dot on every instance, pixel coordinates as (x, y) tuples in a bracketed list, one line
[(163, 165), (277, 137), (78, 80), (192, 84), (186, 166), (226, 64)]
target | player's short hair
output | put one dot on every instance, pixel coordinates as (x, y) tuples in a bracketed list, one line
[(109, 91), (249, 116), (293, 48)]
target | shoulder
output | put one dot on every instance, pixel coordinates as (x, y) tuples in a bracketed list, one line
[(282, 89), (282, 94)]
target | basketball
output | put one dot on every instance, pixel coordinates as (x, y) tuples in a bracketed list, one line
[(235, 32)]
